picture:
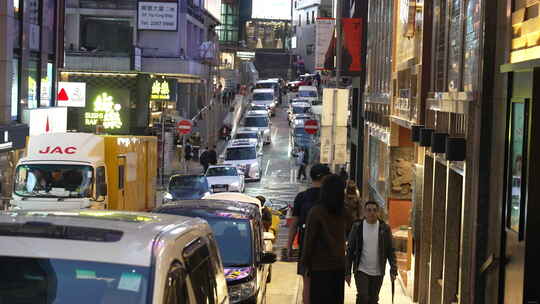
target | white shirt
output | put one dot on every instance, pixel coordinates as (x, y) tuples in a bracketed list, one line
[(369, 261)]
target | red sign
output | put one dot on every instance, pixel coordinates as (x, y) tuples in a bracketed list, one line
[(184, 126), (62, 95), (311, 126), (58, 150)]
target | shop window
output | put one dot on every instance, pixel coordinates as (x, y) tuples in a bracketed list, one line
[(46, 87), (313, 16), (15, 90), (16, 8), (32, 84), (307, 17), (516, 167)]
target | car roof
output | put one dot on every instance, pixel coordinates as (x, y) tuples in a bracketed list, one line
[(307, 88), (138, 231), (271, 80), (222, 166), (239, 143), (263, 91), (302, 103), (256, 113), (213, 207), (247, 129)]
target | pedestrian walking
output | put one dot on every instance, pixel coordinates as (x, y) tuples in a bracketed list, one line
[(301, 162), (323, 253), (353, 202), (303, 203), (369, 247), (212, 156), (343, 174), (204, 159)]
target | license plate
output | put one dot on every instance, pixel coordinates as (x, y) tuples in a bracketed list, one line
[(220, 189)]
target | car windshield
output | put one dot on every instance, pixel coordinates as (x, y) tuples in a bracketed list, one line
[(300, 110), (259, 108), (243, 153), (256, 121), (307, 94), (245, 135), (57, 281), (265, 85), (188, 182), (222, 171), (39, 180), (263, 96), (234, 240)]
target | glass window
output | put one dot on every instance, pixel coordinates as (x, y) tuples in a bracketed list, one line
[(16, 7), (33, 10), (241, 153), (46, 87), (256, 122), (38, 180), (517, 160), (36, 280), (234, 240), (188, 182), (263, 96), (222, 171), (175, 287), (15, 89), (32, 84), (201, 274)]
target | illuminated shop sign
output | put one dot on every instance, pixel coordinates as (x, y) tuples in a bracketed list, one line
[(163, 89), (106, 111)]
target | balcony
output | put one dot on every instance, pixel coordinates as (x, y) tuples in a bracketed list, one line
[(98, 61)]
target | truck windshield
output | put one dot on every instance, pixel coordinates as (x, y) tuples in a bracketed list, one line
[(54, 180), (263, 96), (56, 281), (256, 122), (307, 94)]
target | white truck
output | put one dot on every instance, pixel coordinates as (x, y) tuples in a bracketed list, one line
[(81, 170)]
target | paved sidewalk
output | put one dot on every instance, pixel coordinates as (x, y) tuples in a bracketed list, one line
[(385, 297)]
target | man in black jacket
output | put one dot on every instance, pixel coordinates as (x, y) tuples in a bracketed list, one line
[(369, 247)]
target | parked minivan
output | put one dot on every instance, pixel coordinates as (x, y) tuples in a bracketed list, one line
[(108, 257), (240, 235), (309, 94), (266, 97)]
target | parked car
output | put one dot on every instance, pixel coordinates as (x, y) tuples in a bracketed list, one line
[(254, 135), (238, 230), (309, 94), (244, 155), (182, 187), (262, 122), (266, 97), (96, 256), (255, 107), (295, 108), (225, 178), (258, 112), (293, 86)]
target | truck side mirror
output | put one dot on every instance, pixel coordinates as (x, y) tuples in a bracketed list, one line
[(102, 189)]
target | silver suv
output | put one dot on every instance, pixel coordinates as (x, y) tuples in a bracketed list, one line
[(262, 123), (244, 154)]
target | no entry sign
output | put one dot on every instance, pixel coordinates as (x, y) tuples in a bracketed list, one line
[(311, 126), (184, 126)]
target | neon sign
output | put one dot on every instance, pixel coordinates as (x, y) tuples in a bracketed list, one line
[(160, 90), (105, 111)]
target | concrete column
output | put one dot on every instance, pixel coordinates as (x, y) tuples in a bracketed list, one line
[(454, 199), (437, 233), (6, 57), (425, 231)]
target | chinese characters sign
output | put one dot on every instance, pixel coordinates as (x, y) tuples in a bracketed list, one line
[(159, 16), (105, 111), (160, 90)]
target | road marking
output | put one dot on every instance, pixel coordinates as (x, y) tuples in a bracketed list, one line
[(275, 134), (267, 166)]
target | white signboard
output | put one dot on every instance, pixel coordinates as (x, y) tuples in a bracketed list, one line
[(46, 120), (334, 146), (71, 94), (271, 9), (341, 107), (324, 28), (159, 16), (214, 8)]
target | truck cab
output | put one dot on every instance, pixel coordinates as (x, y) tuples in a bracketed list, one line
[(80, 170)]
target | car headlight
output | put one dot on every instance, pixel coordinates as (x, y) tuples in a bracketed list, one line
[(167, 197), (266, 132), (235, 185), (241, 292)]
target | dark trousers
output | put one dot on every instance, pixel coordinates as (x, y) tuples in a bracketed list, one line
[(327, 287), (302, 171), (367, 288), (205, 167)]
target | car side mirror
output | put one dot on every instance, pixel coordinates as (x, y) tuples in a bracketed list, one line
[(102, 190), (260, 154), (268, 258)]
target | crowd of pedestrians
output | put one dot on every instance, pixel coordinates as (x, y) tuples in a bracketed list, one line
[(339, 237)]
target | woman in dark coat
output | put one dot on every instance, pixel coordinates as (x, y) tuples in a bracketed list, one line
[(323, 256)]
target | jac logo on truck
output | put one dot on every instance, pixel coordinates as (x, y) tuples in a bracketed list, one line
[(58, 150)]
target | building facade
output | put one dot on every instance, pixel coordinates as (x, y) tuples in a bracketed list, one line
[(29, 57), (449, 109)]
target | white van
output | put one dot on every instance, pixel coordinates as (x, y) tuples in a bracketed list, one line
[(309, 93), (96, 256), (265, 97)]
